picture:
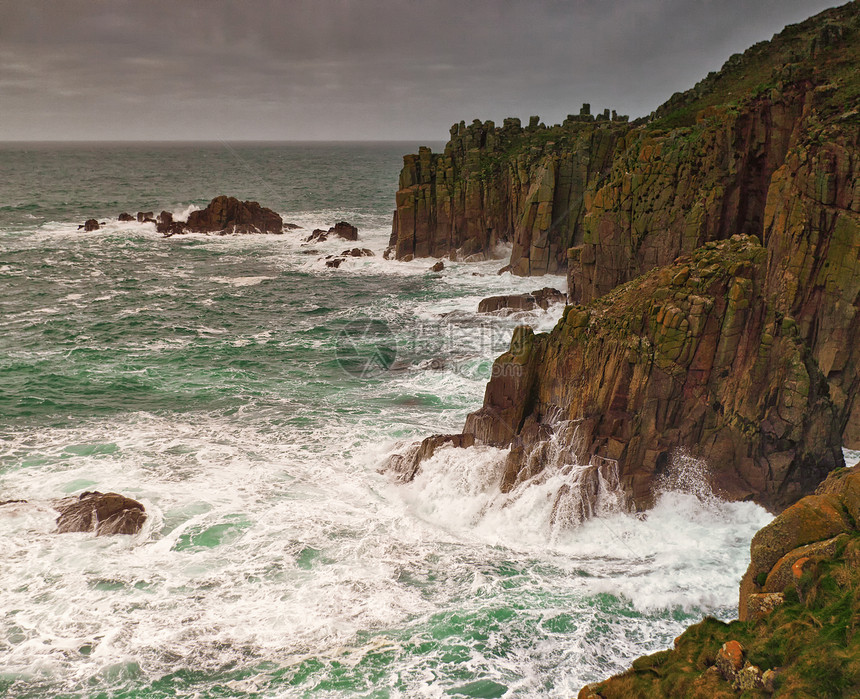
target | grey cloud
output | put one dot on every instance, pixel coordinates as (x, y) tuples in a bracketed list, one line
[(341, 69)]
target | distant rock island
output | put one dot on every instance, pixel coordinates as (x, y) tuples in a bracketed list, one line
[(223, 215)]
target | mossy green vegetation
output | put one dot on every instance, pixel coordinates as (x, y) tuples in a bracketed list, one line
[(819, 46), (811, 641), (804, 645)]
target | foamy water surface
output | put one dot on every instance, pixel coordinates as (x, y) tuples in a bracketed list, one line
[(206, 377)]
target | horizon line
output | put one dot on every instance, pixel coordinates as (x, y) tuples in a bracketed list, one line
[(218, 140)]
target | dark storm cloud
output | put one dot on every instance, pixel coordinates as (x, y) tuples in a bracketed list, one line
[(352, 69)]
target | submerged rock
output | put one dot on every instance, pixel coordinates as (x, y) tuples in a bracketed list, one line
[(104, 513)]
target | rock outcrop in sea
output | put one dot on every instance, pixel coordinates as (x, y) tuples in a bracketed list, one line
[(798, 612), (713, 257), (228, 215), (102, 513), (223, 215)]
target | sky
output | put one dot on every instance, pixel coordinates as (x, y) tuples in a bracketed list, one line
[(353, 69)]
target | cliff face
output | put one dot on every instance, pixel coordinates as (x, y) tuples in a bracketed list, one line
[(715, 250), (608, 201), (668, 194), (690, 355), (511, 185)]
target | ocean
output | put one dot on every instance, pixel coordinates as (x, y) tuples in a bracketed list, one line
[(248, 395)]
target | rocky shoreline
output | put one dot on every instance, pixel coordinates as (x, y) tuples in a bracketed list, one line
[(796, 631)]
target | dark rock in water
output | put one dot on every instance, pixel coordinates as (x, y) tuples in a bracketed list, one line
[(405, 466), (12, 502), (167, 226), (90, 225), (438, 267), (542, 298), (342, 230), (357, 252), (125, 217), (104, 513), (229, 215), (548, 296), (334, 262), (503, 270), (144, 216), (345, 230), (292, 226), (389, 253)]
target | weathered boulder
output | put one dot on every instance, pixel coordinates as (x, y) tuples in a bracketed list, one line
[(344, 230), (341, 230), (730, 660), (145, 217), (357, 252), (103, 513), (89, 225), (814, 528), (229, 215), (541, 298), (125, 217), (759, 605), (438, 267)]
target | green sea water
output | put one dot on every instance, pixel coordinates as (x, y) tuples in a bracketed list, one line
[(248, 395)]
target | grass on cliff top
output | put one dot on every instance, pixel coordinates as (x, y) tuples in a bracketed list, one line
[(813, 639), (757, 70)]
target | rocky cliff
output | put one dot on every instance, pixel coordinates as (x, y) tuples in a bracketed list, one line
[(693, 355), (524, 186), (796, 636), (714, 252), (608, 200)]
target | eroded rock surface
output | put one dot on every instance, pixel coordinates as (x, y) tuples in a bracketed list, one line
[(540, 298), (228, 215), (102, 513)]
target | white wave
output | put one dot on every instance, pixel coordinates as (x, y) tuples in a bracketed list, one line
[(240, 281)]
